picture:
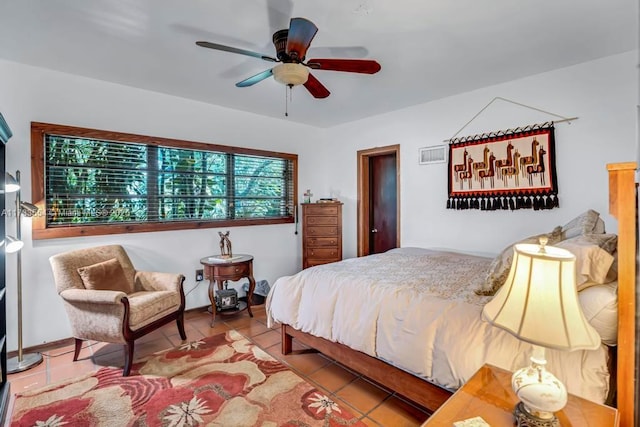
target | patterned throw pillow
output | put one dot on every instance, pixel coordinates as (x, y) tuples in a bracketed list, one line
[(586, 223), (501, 264)]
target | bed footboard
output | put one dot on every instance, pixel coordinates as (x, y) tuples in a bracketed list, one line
[(410, 386)]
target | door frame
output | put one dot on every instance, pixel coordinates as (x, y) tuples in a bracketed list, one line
[(364, 193)]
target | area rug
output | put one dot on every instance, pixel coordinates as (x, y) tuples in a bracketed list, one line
[(224, 380)]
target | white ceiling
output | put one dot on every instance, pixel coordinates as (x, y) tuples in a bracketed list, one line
[(428, 49)]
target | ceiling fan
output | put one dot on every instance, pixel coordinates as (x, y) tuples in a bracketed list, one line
[(291, 47)]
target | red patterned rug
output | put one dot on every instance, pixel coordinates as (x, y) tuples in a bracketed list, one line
[(224, 380)]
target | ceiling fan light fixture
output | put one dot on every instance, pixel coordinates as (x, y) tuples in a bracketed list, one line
[(290, 74)]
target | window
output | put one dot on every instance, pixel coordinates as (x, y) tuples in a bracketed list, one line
[(90, 182)]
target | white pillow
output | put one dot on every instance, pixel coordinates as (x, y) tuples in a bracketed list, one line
[(600, 307), (592, 262)]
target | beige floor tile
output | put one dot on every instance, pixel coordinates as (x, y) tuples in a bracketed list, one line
[(154, 335), (332, 377), (66, 350), (64, 359), (363, 395), (70, 370), (397, 412), (368, 421), (208, 331), (255, 328), (236, 321), (305, 362), (267, 339), (101, 348)]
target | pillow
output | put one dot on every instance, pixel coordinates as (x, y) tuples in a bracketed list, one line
[(600, 307), (105, 276), (599, 228), (501, 264), (608, 242), (584, 223), (592, 262)]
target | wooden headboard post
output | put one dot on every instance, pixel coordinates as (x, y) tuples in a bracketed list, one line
[(622, 205)]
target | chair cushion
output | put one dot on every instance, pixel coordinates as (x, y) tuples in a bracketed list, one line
[(148, 306), (105, 276)]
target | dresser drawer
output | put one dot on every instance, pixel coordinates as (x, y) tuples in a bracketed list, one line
[(322, 231), (325, 253), (318, 261), (314, 242), (321, 210), (321, 220)]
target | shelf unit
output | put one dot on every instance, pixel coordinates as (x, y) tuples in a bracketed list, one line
[(4, 385)]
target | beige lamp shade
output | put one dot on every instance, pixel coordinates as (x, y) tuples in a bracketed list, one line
[(539, 304)]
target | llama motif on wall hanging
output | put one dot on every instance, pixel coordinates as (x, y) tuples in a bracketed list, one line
[(512, 169)]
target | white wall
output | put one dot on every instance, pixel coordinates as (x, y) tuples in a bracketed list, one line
[(35, 94), (602, 93)]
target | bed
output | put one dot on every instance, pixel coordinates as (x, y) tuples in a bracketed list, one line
[(413, 345)]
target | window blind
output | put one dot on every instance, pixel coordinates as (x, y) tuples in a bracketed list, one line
[(95, 182)]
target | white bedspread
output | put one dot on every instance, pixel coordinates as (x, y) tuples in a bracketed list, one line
[(415, 308)]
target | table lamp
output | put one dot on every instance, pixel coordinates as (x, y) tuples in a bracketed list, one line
[(538, 304)]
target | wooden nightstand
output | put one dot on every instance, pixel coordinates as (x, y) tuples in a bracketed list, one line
[(488, 394), (218, 271)]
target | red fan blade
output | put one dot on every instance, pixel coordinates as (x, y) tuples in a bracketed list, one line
[(316, 88), (217, 46), (301, 32), (364, 66)]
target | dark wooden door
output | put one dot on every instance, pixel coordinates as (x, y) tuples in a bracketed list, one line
[(383, 203)]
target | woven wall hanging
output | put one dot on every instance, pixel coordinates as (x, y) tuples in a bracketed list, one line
[(512, 169)]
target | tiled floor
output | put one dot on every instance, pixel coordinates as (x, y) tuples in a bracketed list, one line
[(376, 406)]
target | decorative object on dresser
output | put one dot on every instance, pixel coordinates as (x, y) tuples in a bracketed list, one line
[(510, 169), (539, 304), (219, 270), (321, 233), (307, 196), (21, 362), (108, 300)]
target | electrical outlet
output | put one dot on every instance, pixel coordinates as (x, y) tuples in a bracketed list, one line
[(199, 275)]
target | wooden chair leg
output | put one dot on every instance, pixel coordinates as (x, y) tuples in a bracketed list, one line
[(180, 322), (128, 358), (76, 351)]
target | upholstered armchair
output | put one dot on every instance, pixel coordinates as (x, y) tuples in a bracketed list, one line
[(108, 300)]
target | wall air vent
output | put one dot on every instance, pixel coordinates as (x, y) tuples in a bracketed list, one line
[(433, 154)]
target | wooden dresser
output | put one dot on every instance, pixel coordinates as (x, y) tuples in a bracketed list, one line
[(321, 233)]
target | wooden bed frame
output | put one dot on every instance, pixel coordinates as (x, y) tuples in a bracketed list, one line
[(622, 205)]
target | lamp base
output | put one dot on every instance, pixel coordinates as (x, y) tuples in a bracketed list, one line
[(525, 419), (28, 361)]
